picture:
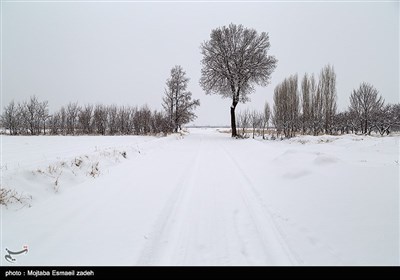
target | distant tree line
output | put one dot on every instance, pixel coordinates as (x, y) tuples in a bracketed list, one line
[(311, 108), (32, 117)]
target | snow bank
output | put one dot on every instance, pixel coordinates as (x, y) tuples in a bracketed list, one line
[(202, 199)]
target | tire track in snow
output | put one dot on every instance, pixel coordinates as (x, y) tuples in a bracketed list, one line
[(204, 236), (161, 239), (317, 246), (172, 239), (271, 235)]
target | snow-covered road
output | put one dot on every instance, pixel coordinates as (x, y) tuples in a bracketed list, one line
[(206, 199), (213, 217)]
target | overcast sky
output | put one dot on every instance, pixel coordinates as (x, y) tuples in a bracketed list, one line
[(122, 53)]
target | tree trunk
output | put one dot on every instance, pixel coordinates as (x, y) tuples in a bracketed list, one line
[(233, 120)]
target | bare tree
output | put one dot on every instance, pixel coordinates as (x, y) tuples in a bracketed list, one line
[(255, 119), (124, 117), (382, 120), (294, 105), (169, 105), (306, 103), (159, 123), (353, 121), (142, 120), (317, 105), (9, 118), (85, 116), (21, 125), (177, 102), (277, 117), (55, 123), (395, 117), (145, 119), (72, 117), (234, 60), (287, 106), (112, 111), (365, 102), (138, 122), (244, 122), (30, 114), (27, 117), (265, 119), (327, 86), (63, 121), (43, 114), (100, 119), (340, 123)]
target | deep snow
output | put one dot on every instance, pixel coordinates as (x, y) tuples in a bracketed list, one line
[(202, 199)]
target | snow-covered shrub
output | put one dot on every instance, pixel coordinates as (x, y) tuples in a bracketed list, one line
[(8, 197), (94, 172)]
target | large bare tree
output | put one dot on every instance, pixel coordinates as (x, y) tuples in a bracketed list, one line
[(365, 102), (234, 60)]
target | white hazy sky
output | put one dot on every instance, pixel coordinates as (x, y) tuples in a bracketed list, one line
[(122, 53)]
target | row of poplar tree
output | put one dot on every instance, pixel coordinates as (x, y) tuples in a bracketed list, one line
[(32, 117), (311, 108)]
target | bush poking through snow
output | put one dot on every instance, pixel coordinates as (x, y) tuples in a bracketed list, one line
[(78, 162), (84, 165), (94, 172), (8, 197), (53, 171)]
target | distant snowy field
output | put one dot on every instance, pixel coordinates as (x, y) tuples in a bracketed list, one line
[(201, 199)]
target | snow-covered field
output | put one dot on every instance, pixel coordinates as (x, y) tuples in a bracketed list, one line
[(201, 199)]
